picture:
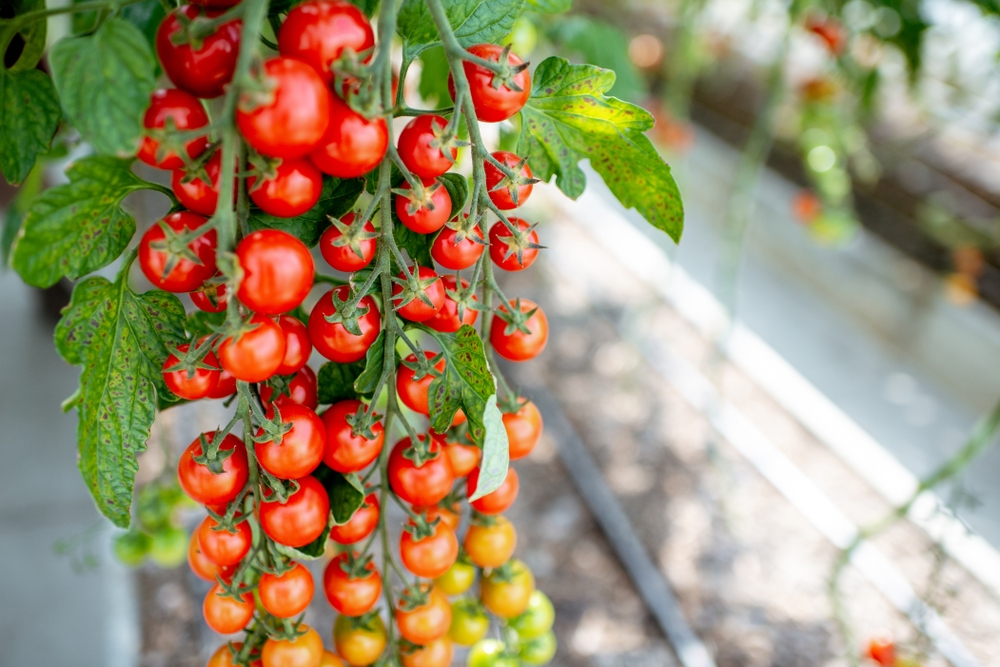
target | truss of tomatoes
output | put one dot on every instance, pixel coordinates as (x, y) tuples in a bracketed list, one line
[(299, 131)]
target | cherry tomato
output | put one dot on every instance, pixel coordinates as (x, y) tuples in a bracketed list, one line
[(297, 345), (202, 484), (185, 112), (501, 196), (351, 597), (537, 619), (456, 580), (454, 254), (437, 653), (222, 547), (498, 501), (427, 218), (302, 390), (361, 525), (490, 653), (346, 452), (303, 651), (447, 319), (203, 566), (420, 147), (224, 614), (508, 598), (226, 386), (348, 257), (186, 274), (359, 644), (335, 342), (277, 271), (193, 192), (464, 458), (517, 345), (494, 103), (502, 249), (416, 310), (301, 448), (295, 189), (294, 118), (431, 556), (413, 393), (830, 31), (203, 72), (428, 621), (193, 386), (287, 595), (883, 651), (331, 660), (492, 544), (426, 485), (468, 623), (223, 657), (256, 354), (524, 428), (539, 650), (319, 31), (352, 144), (210, 298), (300, 520)]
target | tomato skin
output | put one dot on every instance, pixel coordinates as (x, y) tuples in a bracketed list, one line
[(457, 255), (346, 453), (416, 310), (489, 653), (493, 545), (295, 119), (335, 342), (539, 650), (191, 387), (464, 458), (437, 653), (446, 319), (361, 525), (186, 113), (520, 346), (331, 660), (413, 393), (226, 615), (205, 487), (295, 189), (493, 105), (303, 651), (205, 72), (343, 258), (501, 197), (416, 151), (450, 516), (317, 32), (302, 390), (468, 623), (430, 557), (223, 657), (226, 386), (425, 623), (537, 619), (524, 428), (297, 345), (200, 298), (425, 220), (426, 485), (352, 144), (499, 248), (222, 547), (277, 271), (288, 595), (301, 449), (359, 646), (456, 580), (197, 195), (498, 501), (351, 597), (186, 275), (202, 565), (883, 651), (300, 520), (507, 599), (257, 353)]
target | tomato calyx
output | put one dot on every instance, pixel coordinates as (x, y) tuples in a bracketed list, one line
[(518, 240), (362, 423), (347, 313), (262, 166), (517, 319), (352, 233), (357, 566), (420, 451), (505, 573), (419, 197), (420, 528), (191, 358), (513, 178), (194, 31), (274, 429), (212, 455), (414, 597), (412, 286), (467, 228), (512, 402), (485, 520), (177, 245), (172, 140), (465, 298), (257, 90), (504, 74), (423, 365)]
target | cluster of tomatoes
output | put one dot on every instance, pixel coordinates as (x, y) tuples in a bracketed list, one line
[(264, 491)]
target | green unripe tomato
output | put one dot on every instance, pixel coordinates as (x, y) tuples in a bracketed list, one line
[(458, 579), (537, 620), (468, 622), (538, 651), (523, 37), (131, 547), (170, 546), (489, 653)]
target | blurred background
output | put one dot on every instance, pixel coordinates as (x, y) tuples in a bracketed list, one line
[(819, 350)]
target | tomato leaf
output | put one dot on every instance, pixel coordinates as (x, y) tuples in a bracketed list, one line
[(367, 381), (346, 492), (550, 6), (199, 323), (336, 381), (33, 35), (76, 228), (121, 339), (496, 451), (336, 199), (369, 7), (434, 76), (569, 118), (104, 81), (458, 189), (474, 21), (29, 116), (417, 246), (312, 551)]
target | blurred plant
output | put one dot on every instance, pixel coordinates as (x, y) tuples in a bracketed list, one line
[(157, 532)]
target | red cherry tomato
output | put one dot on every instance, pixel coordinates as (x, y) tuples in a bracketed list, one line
[(302, 651), (226, 386), (185, 112), (346, 452), (883, 651), (297, 345), (361, 525), (426, 485), (502, 249), (287, 595), (194, 193), (224, 614), (295, 189), (223, 657), (300, 520), (203, 72), (302, 390), (335, 342), (464, 458), (498, 501), (277, 271), (346, 257), (427, 622), (524, 428), (256, 354), (222, 547), (493, 103), (204, 567), (197, 385), (319, 31), (431, 556), (437, 653), (517, 345), (501, 195), (186, 275), (204, 486), (446, 319), (416, 310), (413, 393), (293, 122), (352, 144), (454, 254), (301, 448), (351, 597), (426, 219), (210, 298), (450, 517), (419, 147)]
